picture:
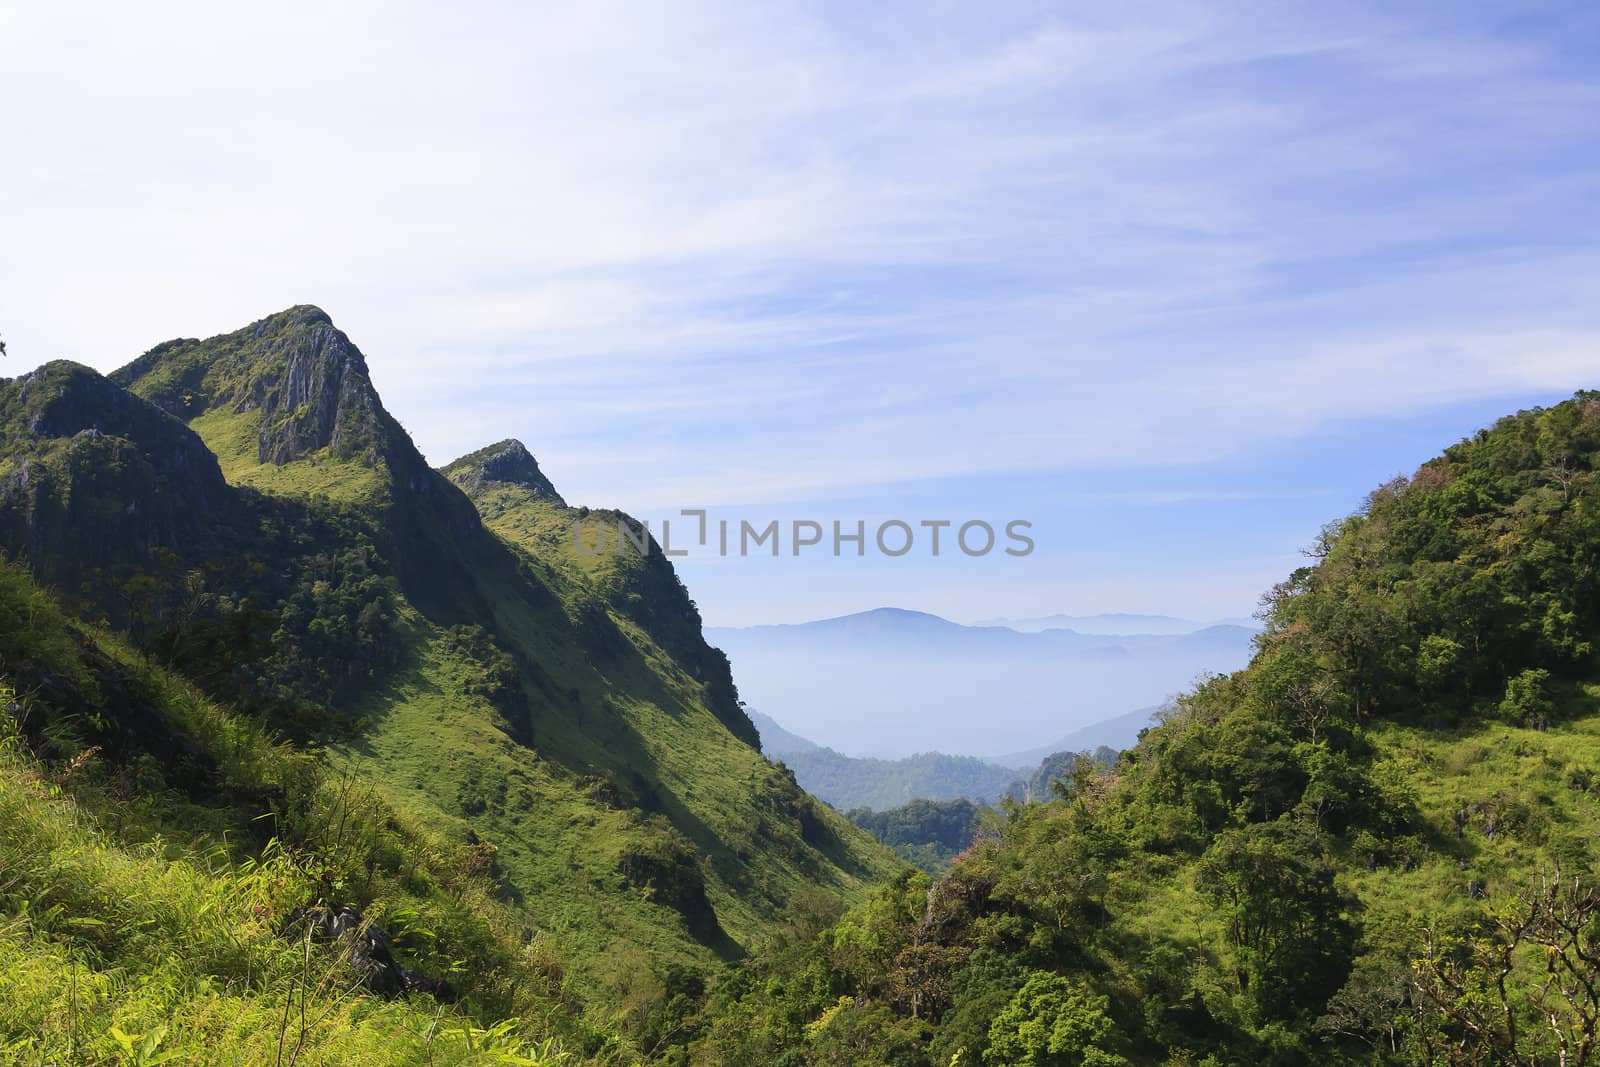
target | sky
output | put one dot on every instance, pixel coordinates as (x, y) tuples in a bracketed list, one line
[(1175, 283)]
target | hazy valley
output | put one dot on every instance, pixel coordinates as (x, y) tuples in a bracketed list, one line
[(891, 683)]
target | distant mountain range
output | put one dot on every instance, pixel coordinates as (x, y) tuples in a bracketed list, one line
[(775, 740), (851, 782), (1118, 732), (892, 682), (1112, 624)]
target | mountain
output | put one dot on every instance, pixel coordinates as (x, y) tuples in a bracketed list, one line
[(245, 512), (1108, 624), (889, 682), (863, 786), (1373, 844), (640, 590), (849, 782), (776, 741), (1116, 733), (311, 753)]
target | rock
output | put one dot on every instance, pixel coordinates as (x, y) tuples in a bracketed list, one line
[(371, 951)]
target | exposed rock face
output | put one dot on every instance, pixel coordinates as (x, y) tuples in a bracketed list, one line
[(320, 398), (310, 387), (304, 377), (507, 462)]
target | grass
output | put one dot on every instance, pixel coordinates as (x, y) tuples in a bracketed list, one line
[(561, 816), (179, 948), (234, 438), (127, 955), (141, 924), (616, 754), (1526, 801)]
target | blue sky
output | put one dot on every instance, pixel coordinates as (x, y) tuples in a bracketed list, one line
[(1175, 282)]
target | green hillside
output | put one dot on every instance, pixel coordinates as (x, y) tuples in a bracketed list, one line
[(1376, 844), (246, 512), (155, 848)]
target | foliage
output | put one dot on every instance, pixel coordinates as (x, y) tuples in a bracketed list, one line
[(528, 765), (1467, 1011), (1052, 1022)]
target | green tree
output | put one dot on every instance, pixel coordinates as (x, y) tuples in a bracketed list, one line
[(1285, 916), (1052, 1022), (1439, 664), (1525, 702)]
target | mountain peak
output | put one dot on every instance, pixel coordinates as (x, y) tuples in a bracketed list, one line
[(288, 387), (508, 462), (61, 399), (298, 317), (308, 313), (92, 475)]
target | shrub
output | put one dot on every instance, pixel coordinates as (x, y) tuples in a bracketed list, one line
[(1526, 702)]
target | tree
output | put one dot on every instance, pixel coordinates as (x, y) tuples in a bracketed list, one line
[(1052, 1022), (1525, 702), (1374, 1007), (1285, 915), (1486, 1002), (1439, 663)]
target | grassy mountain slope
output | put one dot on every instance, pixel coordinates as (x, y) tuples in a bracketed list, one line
[(153, 846), (273, 534), (688, 730), (1376, 844)]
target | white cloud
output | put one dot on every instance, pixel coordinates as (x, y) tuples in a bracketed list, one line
[(757, 253)]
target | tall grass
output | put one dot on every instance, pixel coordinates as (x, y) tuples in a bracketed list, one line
[(140, 925)]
